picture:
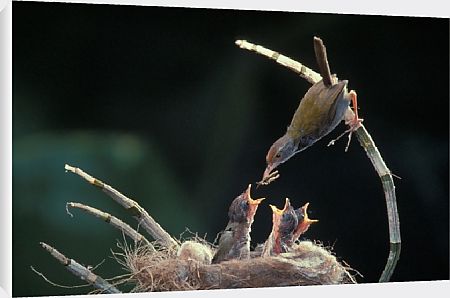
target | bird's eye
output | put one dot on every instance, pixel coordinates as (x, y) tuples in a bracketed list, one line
[(278, 155), (244, 204)]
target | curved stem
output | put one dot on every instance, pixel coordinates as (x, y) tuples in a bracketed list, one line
[(365, 140), (391, 202)]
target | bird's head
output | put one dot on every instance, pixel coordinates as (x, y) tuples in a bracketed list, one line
[(284, 223), (288, 221), (303, 221), (280, 151), (284, 220), (243, 208)]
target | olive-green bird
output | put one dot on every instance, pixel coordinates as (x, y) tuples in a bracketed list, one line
[(319, 112)]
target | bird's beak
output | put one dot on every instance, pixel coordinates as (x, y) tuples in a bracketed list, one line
[(276, 211), (305, 223), (276, 218), (305, 214), (280, 212), (287, 204), (252, 202)]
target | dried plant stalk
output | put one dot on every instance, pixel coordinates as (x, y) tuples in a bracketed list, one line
[(139, 213), (82, 272), (365, 140), (387, 181), (305, 72), (112, 220)]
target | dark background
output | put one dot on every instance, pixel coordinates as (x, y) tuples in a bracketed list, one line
[(161, 104)]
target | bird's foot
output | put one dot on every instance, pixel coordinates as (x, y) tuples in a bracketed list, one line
[(350, 133)]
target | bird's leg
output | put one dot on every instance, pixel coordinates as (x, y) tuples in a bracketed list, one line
[(351, 119), (354, 122)]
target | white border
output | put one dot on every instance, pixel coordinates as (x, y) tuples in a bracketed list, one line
[(403, 289), (6, 147), (430, 8)]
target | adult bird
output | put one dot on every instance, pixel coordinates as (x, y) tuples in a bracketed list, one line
[(324, 105), (234, 242)]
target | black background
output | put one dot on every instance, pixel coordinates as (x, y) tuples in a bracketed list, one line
[(161, 104)]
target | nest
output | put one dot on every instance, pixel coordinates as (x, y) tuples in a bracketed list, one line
[(189, 268)]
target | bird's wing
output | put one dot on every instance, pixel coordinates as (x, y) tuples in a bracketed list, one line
[(317, 111), (225, 243)]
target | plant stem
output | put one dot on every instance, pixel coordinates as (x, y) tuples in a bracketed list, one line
[(145, 220), (112, 220), (80, 271), (387, 181)]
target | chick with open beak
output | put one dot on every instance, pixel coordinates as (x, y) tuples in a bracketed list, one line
[(234, 242), (303, 221), (283, 227)]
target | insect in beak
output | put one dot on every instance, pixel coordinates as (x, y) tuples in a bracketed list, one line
[(268, 176)]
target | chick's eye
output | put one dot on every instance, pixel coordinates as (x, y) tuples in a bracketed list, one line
[(244, 204)]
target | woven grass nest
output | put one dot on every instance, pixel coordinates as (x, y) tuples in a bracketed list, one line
[(190, 268)]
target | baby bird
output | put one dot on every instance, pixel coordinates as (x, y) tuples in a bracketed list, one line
[(303, 221), (284, 225), (288, 225), (234, 242), (196, 251)]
